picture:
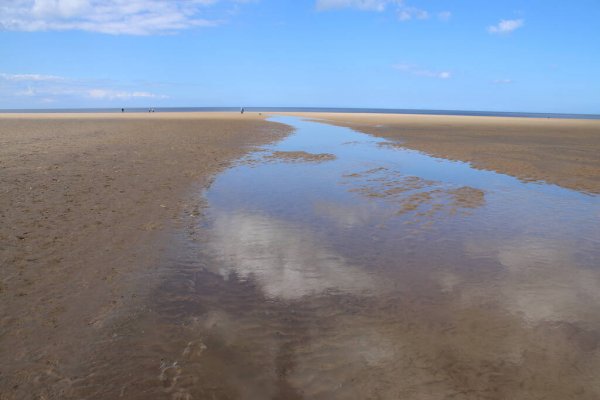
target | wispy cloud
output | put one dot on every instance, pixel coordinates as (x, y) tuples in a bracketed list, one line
[(121, 95), (427, 73), (444, 15), (49, 88), (30, 77), (506, 26), (367, 5), (404, 11), (132, 17), (408, 13)]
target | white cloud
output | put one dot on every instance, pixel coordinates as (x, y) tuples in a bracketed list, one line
[(506, 26), (415, 70), (48, 88), (403, 11), (132, 17)]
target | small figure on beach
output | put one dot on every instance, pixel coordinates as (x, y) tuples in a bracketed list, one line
[(242, 110), (122, 110)]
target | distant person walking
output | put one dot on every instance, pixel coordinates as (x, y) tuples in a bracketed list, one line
[(242, 110), (122, 110)]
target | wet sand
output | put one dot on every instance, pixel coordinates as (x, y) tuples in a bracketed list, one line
[(85, 200), (196, 256), (564, 152), (300, 156)]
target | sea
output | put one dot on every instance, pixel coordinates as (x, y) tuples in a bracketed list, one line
[(311, 109)]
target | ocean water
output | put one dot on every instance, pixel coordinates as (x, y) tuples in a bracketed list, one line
[(312, 109)]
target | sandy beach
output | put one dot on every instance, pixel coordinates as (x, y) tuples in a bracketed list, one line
[(119, 280), (564, 152), (299, 200), (84, 199)]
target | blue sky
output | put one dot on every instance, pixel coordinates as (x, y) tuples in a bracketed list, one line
[(540, 56)]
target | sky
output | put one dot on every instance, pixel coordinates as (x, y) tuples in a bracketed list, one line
[(493, 55)]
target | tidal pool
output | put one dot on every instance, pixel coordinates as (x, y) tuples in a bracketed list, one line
[(336, 265)]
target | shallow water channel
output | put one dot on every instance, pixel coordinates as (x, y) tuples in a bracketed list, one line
[(334, 264)]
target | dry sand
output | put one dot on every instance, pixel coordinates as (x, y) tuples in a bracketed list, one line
[(84, 200), (564, 152)]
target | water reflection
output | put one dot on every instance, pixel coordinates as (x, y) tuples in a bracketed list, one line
[(544, 280), (287, 261), (411, 277), (408, 276), (374, 272)]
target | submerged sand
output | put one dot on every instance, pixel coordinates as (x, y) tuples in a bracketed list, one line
[(564, 152), (300, 156), (84, 200)]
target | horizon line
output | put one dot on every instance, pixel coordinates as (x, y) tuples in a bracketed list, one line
[(368, 110)]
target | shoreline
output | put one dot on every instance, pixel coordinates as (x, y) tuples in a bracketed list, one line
[(563, 152), (134, 115), (336, 110), (552, 150)]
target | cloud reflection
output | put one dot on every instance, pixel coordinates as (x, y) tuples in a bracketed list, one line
[(288, 261), (545, 281)]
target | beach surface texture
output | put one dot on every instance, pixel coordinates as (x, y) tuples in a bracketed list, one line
[(84, 199), (118, 279)]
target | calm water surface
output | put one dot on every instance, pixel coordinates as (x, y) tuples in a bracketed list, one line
[(380, 273)]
